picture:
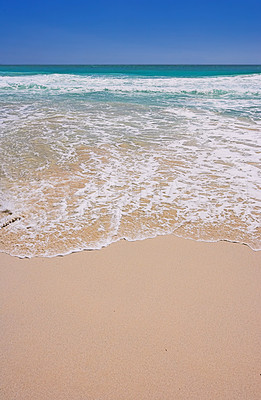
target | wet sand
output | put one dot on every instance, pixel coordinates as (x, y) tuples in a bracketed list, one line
[(165, 318)]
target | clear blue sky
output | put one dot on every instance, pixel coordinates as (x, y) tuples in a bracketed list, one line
[(136, 32)]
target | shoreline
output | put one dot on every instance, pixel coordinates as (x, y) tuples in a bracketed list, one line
[(83, 250), (158, 318)]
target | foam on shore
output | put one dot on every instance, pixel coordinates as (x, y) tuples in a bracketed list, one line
[(89, 160)]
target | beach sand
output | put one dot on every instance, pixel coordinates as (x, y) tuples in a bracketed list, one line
[(164, 318)]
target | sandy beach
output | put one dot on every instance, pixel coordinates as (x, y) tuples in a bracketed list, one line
[(164, 318)]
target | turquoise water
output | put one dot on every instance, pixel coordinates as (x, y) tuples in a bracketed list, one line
[(94, 154), (142, 70)]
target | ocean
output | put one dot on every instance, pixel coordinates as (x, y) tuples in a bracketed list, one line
[(94, 154)]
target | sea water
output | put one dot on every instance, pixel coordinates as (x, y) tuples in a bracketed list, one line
[(94, 154)]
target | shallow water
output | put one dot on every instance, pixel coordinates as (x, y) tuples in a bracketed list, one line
[(90, 156)]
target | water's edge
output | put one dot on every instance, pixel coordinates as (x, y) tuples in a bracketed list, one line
[(128, 240)]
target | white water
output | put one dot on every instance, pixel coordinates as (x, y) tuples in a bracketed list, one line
[(87, 160)]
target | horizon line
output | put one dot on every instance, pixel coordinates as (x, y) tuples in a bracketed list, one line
[(131, 64)]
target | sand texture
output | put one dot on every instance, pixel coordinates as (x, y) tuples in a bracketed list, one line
[(163, 318)]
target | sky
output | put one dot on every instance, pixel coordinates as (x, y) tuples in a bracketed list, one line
[(130, 32)]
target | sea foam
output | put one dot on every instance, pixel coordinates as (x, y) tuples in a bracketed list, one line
[(89, 159)]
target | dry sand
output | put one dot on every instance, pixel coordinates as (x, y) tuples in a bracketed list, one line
[(164, 318)]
